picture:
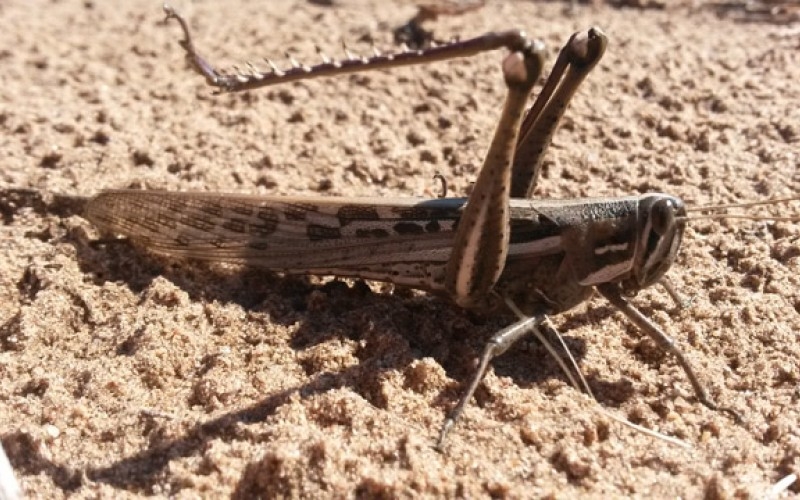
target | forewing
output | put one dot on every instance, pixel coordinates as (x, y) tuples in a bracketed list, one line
[(363, 237)]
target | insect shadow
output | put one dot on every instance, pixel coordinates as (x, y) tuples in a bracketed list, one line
[(392, 331)]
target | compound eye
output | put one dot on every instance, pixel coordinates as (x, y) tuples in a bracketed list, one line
[(662, 217)]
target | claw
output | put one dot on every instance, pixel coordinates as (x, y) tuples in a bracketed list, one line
[(201, 65)]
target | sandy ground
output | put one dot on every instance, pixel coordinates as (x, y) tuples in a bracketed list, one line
[(126, 375)]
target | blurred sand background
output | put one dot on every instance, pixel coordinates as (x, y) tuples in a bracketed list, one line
[(123, 375)]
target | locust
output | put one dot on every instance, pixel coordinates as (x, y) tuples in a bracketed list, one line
[(497, 251)]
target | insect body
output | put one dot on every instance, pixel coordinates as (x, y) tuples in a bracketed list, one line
[(558, 250), (496, 250)]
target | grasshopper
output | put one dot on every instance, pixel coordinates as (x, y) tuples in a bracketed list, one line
[(497, 251)]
